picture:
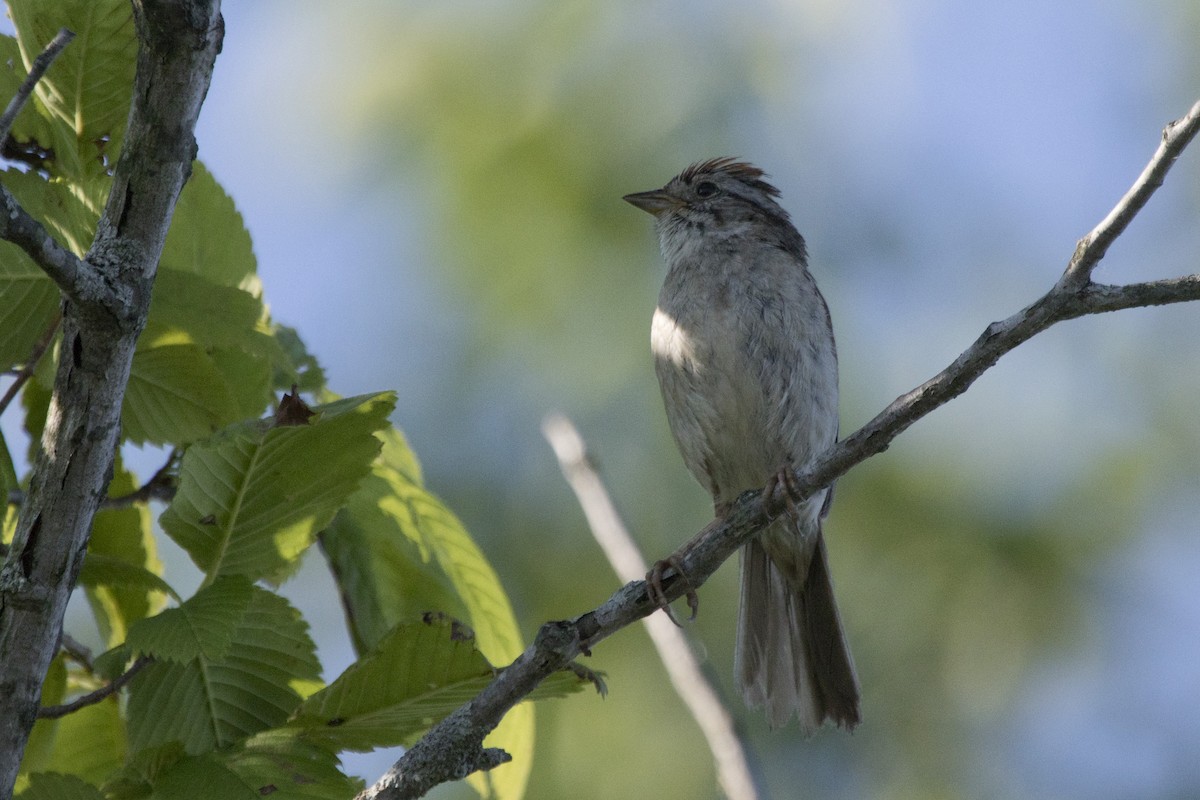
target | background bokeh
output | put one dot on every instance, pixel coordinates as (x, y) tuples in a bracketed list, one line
[(434, 194)]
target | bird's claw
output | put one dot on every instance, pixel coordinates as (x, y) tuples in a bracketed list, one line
[(654, 588)]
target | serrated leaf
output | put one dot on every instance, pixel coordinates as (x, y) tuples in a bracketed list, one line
[(204, 207), (251, 499), (208, 704), (111, 572), (88, 88), (176, 394), (418, 674), (298, 366), (111, 663), (204, 625), (54, 786), (274, 764), (135, 779)]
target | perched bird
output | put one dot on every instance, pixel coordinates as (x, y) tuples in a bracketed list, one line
[(745, 356)]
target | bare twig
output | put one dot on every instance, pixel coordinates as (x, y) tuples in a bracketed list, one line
[(693, 686), (1092, 247), (91, 698), (76, 651), (30, 366), (458, 739), (36, 71), (161, 486)]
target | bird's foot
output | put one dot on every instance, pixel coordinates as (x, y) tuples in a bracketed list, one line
[(654, 586), (783, 481)]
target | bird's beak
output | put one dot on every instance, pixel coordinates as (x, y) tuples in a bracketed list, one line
[(656, 202)]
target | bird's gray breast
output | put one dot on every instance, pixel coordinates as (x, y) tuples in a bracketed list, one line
[(747, 367)]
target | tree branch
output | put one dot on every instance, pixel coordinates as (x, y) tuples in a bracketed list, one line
[(1091, 248), (109, 300), (30, 365), (461, 734), (16, 224), (161, 486), (36, 71)]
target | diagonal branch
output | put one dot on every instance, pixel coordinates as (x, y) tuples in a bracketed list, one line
[(461, 734), (36, 71), (91, 698)]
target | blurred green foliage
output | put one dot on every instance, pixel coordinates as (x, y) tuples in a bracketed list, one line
[(518, 126)]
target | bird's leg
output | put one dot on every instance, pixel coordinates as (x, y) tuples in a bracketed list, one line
[(654, 578), (783, 478), (654, 585)]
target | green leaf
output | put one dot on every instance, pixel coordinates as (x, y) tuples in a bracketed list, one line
[(204, 625), (396, 549), (29, 300), (100, 571), (53, 786), (39, 750), (207, 704), (384, 574), (176, 394), (90, 742), (252, 498), (248, 372), (226, 259), (8, 473), (298, 366), (88, 88), (418, 674), (121, 573), (112, 662), (35, 400), (275, 764), (212, 314), (136, 778)]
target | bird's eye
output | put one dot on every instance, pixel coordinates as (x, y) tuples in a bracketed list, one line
[(705, 189)]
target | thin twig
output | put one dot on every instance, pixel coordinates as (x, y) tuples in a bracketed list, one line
[(76, 651), (36, 71), (692, 685), (91, 698), (161, 486), (30, 366), (1176, 136), (458, 739)]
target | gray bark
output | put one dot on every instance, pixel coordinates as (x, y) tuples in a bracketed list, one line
[(106, 301)]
